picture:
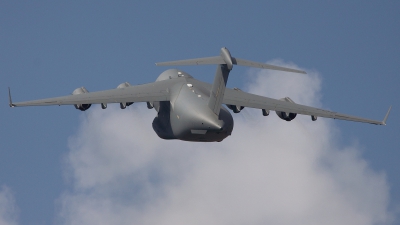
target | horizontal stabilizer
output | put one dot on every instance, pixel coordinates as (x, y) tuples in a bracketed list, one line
[(243, 62), (226, 58), (200, 61)]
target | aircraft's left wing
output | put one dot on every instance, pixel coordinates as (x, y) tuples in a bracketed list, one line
[(157, 91), (240, 98)]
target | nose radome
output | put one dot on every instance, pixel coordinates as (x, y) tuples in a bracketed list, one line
[(206, 119), (214, 124)]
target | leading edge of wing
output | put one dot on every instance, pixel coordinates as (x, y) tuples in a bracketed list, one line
[(198, 61), (235, 97), (157, 91)]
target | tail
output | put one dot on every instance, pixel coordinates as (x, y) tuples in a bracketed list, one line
[(226, 58), (225, 64)]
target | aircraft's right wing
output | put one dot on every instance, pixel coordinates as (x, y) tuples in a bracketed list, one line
[(240, 98), (157, 91)]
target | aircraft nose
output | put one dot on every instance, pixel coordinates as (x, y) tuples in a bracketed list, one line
[(213, 124)]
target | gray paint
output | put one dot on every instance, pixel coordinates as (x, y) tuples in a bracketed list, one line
[(218, 88), (191, 110)]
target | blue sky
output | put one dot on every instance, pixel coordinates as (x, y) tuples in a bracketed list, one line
[(50, 48)]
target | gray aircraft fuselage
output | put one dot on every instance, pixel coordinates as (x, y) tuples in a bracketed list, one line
[(187, 116)]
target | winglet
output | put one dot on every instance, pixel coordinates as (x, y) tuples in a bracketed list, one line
[(9, 98), (387, 115)]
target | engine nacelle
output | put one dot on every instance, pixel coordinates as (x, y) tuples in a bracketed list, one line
[(235, 108), (123, 105), (288, 116), (78, 91)]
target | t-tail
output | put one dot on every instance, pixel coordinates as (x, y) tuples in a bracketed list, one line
[(225, 64)]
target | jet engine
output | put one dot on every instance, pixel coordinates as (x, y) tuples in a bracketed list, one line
[(78, 91), (235, 108), (288, 116), (123, 105)]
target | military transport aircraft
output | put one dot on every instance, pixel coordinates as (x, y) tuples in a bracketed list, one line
[(189, 109)]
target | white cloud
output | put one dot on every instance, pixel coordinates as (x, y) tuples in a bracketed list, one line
[(268, 172), (8, 208)]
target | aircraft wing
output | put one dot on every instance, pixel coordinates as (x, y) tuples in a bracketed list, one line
[(240, 98), (157, 91)]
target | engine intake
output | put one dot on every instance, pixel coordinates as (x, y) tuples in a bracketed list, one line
[(288, 116), (78, 91), (235, 108)]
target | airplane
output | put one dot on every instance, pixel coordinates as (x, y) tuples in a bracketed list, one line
[(192, 110)]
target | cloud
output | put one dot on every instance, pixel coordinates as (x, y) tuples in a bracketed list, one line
[(8, 207), (268, 172)]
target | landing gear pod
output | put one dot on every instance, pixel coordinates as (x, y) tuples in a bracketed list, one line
[(78, 91)]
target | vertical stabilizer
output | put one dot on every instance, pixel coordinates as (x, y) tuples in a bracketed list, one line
[(220, 79)]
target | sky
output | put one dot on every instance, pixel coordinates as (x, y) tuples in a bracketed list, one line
[(62, 166)]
